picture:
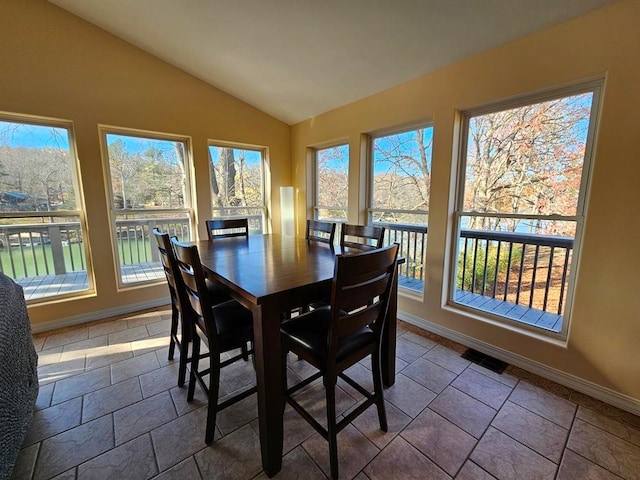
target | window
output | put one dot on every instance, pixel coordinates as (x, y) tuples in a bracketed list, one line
[(149, 187), (237, 184), (521, 206), (399, 200), (42, 221), (331, 189)]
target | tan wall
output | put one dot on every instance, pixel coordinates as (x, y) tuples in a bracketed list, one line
[(604, 334), (56, 65)]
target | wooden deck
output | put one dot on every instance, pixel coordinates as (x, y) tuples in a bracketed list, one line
[(49, 285), (512, 311)]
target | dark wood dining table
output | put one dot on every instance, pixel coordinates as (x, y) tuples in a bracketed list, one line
[(271, 274)]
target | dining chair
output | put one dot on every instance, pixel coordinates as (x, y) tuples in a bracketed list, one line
[(180, 311), (227, 227), (223, 328), (362, 237), (335, 337), (318, 231), (178, 299)]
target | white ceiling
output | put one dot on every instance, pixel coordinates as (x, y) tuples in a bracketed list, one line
[(295, 59)]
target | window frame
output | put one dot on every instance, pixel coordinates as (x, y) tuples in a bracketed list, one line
[(315, 191), (371, 210), (105, 130), (80, 212), (596, 88), (370, 168), (264, 178)]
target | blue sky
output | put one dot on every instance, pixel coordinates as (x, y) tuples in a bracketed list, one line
[(33, 136)]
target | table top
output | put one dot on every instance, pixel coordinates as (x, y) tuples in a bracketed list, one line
[(263, 266)]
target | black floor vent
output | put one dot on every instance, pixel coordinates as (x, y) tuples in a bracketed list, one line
[(485, 361)]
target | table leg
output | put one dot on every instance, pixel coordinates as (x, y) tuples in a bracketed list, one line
[(266, 332), (389, 338)]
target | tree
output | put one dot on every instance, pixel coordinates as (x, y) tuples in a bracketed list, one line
[(402, 175), (236, 177), (526, 160)]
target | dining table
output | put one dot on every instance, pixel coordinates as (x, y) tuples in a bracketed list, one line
[(272, 274)]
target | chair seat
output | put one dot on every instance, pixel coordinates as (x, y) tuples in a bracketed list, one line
[(234, 324), (309, 331)]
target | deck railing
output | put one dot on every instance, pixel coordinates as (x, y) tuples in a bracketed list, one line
[(524, 269), (30, 250), (528, 270), (35, 249)]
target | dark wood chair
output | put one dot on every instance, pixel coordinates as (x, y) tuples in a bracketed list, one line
[(180, 311), (362, 237), (176, 292), (332, 338), (318, 231), (227, 227), (223, 327)]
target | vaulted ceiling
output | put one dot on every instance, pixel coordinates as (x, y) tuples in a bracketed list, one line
[(295, 59)]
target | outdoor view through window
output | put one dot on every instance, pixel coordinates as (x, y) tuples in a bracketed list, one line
[(149, 188), (401, 185), (521, 207), (332, 184), (41, 219), (237, 184)]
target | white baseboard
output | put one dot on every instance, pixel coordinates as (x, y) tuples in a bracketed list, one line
[(97, 315), (607, 395)]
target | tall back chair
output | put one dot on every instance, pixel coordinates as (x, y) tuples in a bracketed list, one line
[(178, 303), (227, 227), (362, 237), (318, 231), (332, 338), (223, 327)]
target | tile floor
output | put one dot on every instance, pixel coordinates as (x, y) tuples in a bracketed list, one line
[(109, 408)]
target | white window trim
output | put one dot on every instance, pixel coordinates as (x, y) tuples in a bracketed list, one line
[(265, 177), (104, 130), (596, 87), (315, 205), (80, 200)]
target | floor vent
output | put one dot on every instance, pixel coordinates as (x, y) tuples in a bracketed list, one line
[(485, 361)]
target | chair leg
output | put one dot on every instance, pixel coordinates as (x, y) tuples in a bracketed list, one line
[(376, 369), (195, 354), (245, 351), (174, 329), (330, 387), (212, 409), (184, 358)]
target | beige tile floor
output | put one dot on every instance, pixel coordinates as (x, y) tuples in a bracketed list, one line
[(109, 408)]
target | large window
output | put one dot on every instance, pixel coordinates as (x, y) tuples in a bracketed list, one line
[(399, 196), (521, 205), (331, 183), (237, 184), (42, 221), (149, 187)]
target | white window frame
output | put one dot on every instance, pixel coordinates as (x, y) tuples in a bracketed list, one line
[(370, 194), (316, 207), (264, 178), (113, 212), (80, 201), (596, 88)]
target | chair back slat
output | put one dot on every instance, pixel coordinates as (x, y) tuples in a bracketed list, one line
[(170, 266), (227, 227), (188, 260), (318, 231), (362, 237), (361, 288)]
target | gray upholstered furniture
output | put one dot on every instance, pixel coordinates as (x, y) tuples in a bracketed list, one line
[(18, 373)]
